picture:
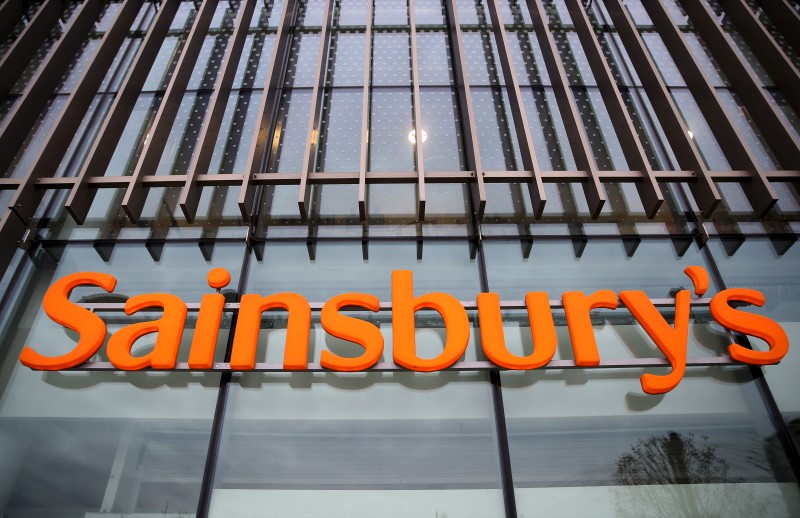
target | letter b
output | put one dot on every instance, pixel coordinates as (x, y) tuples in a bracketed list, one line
[(405, 305)]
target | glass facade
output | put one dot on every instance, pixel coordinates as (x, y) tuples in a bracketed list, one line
[(316, 146)]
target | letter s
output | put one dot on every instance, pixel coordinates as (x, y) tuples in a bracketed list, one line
[(90, 327), (750, 324)]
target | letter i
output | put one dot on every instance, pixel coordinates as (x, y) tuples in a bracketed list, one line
[(206, 331)]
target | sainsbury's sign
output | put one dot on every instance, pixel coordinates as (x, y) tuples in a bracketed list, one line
[(672, 340)]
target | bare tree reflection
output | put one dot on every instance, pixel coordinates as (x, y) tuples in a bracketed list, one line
[(677, 475)]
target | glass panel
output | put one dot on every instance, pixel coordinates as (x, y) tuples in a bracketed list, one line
[(433, 52), (590, 443), (498, 147), (77, 443), (377, 444), (765, 265), (391, 147), (441, 128), (348, 61), (340, 135), (287, 155), (391, 59), (391, 12)]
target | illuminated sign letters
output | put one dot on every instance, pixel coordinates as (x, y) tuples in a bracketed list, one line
[(671, 339)]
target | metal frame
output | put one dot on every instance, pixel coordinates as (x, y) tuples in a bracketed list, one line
[(190, 195), (17, 124), (773, 58), (366, 103), (785, 19), (156, 139), (14, 61), (568, 107), (759, 192), (26, 199), (703, 188), (81, 195), (317, 95), (259, 149), (527, 151), (766, 115)]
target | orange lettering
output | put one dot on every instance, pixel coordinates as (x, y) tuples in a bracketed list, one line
[(245, 340), (749, 324), (543, 332), (90, 327), (206, 330), (673, 341), (405, 305), (352, 329), (169, 328), (577, 307)]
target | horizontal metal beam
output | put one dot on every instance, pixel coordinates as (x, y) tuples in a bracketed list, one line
[(631, 363), (102, 150), (27, 43), (119, 307)]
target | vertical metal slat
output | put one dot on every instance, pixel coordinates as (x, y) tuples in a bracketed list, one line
[(471, 148), (785, 19), (770, 55), (10, 13), (365, 107), (317, 95), (649, 190), (27, 197), (25, 113), (584, 158), (416, 99), (190, 195), (27, 43), (764, 113), (267, 109), (759, 192), (154, 144), (527, 150), (703, 189), (81, 196)]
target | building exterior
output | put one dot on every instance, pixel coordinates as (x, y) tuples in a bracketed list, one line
[(316, 146)]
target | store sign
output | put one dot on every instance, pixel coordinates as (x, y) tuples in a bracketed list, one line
[(672, 340)]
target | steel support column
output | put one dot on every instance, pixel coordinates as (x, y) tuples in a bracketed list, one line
[(365, 119), (268, 108)]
